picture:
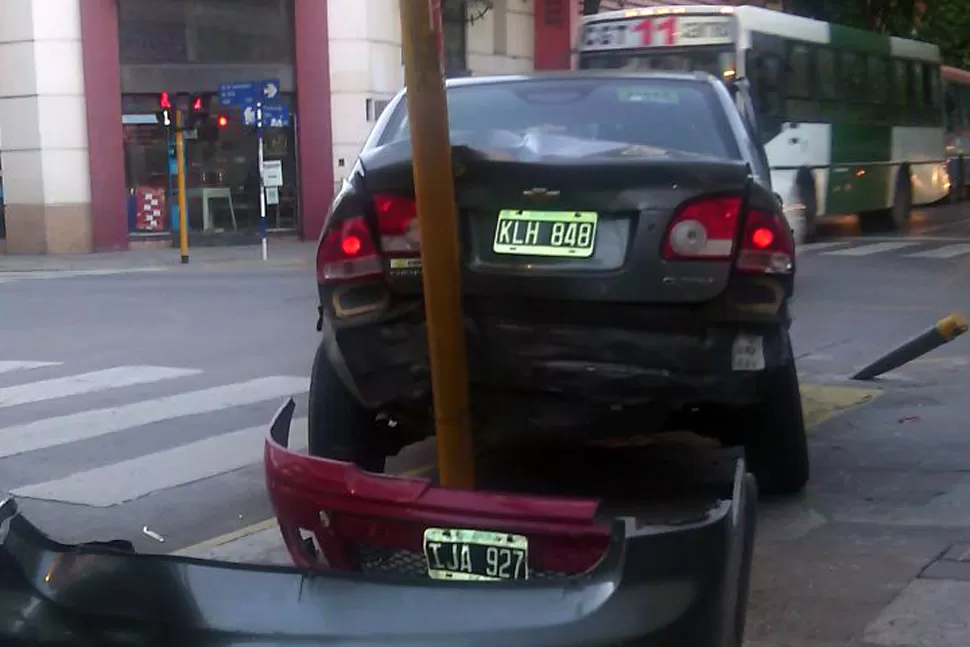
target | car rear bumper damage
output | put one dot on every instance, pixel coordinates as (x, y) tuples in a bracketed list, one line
[(609, 357), (600, 573)]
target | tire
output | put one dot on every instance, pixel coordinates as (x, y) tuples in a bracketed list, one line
[(774, 438), (806, 195), (340, 427), (958, 189), (896, 217)]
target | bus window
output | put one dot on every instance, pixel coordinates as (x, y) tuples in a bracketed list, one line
[(878, 79), (900, 84), (826, 74), (852, 75), (915, 85), (951, 105), (800, 84), (765, 74)]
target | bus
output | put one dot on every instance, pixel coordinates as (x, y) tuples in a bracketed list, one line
[(851, 121), (956, 102)]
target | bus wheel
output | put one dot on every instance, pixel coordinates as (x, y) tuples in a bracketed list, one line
[(958, 186), (896, 217), (805, 194)]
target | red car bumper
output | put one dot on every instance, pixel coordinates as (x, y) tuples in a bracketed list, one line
[(375, 523)]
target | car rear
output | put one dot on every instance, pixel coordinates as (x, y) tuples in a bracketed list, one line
[(614, 245)]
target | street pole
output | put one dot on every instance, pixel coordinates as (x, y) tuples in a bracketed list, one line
[(435, 193), (180, 172), (262, 180)]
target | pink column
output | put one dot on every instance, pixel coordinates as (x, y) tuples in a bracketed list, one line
[(555, 22), (102, 90), (313, 114)]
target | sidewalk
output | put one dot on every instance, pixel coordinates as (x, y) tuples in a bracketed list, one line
[(280, 254)]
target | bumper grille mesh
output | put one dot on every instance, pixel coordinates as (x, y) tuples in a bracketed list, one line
[(389, 561)]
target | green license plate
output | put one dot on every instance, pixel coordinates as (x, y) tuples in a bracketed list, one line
[(475, 555), (564, 234)]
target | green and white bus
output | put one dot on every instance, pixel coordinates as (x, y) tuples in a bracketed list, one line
[(851, 121)]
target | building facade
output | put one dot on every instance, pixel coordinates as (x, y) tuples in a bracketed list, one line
[(85, 166)]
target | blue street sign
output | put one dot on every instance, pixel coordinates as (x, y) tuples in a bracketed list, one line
[(249, 93), (275, 115)]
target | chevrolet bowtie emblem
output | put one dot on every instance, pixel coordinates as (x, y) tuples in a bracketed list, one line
[(539, 192)]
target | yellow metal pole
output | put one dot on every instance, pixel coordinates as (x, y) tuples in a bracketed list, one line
[(435, 193), (180, 170)]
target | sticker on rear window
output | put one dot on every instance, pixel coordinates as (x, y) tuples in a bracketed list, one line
[(647, 95)]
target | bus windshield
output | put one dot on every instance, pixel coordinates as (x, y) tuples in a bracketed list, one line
[(718, 61)]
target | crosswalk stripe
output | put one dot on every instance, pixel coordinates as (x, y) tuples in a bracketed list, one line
[(111, 378), (10, 277), (947, 251), (62, 430), (9, 366), (128, 480), (816, 247), (866, 250)]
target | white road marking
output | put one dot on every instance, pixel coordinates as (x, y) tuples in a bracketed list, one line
[(62, 430), (868, 250), (9, 366), (39, 275), (815, 247), (947, 251), (111, 378), (132, 479)]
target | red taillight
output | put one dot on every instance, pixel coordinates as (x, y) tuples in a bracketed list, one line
[(347, 252), (767, 246), (703, 230), (706, 229), (397, 220)]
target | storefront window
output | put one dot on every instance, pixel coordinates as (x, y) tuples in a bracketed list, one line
[(193, 46), (222, 176)]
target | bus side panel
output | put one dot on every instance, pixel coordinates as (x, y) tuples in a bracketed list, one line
[(862, 174), (923, 148), (808, 145)]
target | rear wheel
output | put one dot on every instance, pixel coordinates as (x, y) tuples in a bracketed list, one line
[(896, 217), (775, 443), (805, 195), (957, 185), (339, 426)]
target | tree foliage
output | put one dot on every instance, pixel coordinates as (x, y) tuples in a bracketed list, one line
[(944, 22)]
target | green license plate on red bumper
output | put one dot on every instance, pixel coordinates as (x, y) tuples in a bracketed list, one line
[(562, 234), (475, 555)]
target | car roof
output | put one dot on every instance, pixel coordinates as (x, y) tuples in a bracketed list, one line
[(705, 77)]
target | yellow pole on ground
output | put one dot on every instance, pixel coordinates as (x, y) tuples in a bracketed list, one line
[(180, 170), (435, 193)]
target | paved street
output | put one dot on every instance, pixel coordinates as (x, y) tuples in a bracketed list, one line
[(138, 398)]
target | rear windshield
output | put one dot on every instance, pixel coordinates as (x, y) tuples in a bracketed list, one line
[(671, 114)]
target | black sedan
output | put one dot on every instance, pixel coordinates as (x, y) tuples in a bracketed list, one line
[(625, 266)]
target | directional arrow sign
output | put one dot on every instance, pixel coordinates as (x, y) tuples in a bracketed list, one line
[(249, 92)]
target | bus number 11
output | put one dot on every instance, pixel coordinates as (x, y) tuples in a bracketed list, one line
[(664, 27)]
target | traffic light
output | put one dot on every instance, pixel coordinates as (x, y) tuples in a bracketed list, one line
[(164, 114), (198, 115)]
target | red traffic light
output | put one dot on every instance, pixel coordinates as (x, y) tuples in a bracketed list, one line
[(222, 121), (197, 104), (164, 102)]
